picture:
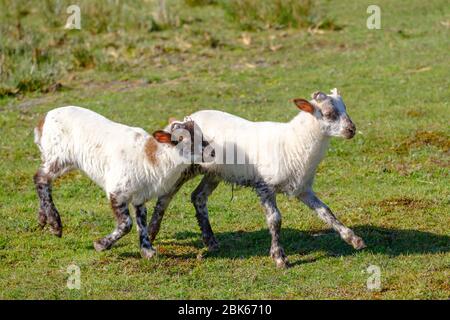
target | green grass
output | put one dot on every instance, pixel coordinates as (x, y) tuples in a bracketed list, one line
[(390, 183), (254, 14)]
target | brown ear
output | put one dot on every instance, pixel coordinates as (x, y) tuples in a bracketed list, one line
[(163, 137), (304, 105)]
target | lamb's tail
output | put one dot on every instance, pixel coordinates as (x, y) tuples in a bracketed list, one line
[(38, 130)]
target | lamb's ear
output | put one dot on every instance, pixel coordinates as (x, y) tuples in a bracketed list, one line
[(304, 105), (163, 137)]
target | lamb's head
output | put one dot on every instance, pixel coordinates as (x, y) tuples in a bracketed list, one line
[(187, 139), (330, 112)]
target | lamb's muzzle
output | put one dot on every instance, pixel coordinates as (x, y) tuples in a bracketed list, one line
[(349, 128)]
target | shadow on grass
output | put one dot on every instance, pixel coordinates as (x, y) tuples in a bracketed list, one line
[(379, 240)]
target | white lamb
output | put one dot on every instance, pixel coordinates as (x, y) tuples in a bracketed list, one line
[(128, 163), (270, 157)]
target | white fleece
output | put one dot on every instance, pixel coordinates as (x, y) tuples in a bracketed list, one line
[(284, 155), (111, 154)]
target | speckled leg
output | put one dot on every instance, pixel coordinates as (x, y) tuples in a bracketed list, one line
[(273, 217), (124, 224), (325, 214), (199, 199), (48, 214), (163, 202), (147, 250)]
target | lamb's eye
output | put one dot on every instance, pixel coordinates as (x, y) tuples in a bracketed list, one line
[(331, 115)]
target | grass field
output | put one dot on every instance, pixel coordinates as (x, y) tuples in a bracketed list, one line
[(390, 183)]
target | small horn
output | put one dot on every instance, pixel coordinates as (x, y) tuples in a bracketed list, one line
[(335, 92), (319, 96)]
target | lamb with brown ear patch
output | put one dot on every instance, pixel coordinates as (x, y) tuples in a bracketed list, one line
[(129, 164)]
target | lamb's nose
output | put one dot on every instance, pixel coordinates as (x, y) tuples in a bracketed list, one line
[(352, 128), (350, 131)]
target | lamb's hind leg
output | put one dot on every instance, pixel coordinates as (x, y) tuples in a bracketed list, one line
[(124, 224), (324, 213), (47, 210), (200, 198), (273, 217)]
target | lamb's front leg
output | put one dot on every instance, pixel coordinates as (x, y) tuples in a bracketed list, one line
[(163, 202), (147, 250), (273, 216), (158, 213), (124, 224), (324, 213)]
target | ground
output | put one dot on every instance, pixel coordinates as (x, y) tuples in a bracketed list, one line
[(390, 183)]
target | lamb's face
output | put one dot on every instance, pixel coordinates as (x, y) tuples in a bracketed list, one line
[(330, 112), (190, 142)]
